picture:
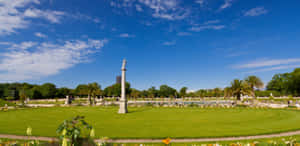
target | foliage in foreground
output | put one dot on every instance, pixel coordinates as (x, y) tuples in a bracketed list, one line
[(73, 130)]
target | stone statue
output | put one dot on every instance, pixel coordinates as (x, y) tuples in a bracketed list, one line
[(123, 100), (68, 100)]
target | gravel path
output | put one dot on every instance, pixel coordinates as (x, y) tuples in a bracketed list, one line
[(160, 140)]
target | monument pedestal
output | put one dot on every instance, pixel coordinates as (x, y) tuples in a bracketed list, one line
[(123, 107)]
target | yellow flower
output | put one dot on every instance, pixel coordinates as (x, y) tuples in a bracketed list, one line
[(29, 131), (167, 141), (64, 132), (65, 142), (92, 133)]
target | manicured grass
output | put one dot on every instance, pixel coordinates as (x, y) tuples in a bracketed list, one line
[(149, 122)]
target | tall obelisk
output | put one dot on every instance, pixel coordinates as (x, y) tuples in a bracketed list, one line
[(123, 100)]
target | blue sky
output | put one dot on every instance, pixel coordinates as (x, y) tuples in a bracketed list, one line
[(193, 43)]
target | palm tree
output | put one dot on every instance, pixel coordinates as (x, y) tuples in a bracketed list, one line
[(228, 92), (254, 81), (240, 87), (93, 90)]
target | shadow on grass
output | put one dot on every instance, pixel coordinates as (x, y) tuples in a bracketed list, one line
[(137, 110)]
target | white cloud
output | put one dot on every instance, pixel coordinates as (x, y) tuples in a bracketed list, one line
[(256, 11), (201, 2), (281, 67), (166, 9), (5, 43), (40, 35), (170, 43), (184, 34), (46, 59), (205, 27), (139, 8), (227, 4), (163, 9), (267, 63), (212, 22), (52, 16), (23, 45), (14, 15), (126, 35)]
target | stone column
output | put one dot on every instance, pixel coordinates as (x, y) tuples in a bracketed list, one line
[(123, 100)]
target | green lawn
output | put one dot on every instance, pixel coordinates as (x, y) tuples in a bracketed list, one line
[(154, 122)]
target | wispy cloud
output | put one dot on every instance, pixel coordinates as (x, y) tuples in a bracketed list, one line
[(267, 63), (227, 4), (52, 16), (22, 46), (256, 11), (200, 2), (184, 34), (163, 9), (212, 22), (15, 14), (40, 35), (126, 35), (46, 58), (138, 8), (281, 67), (169, 43), (205, 27)]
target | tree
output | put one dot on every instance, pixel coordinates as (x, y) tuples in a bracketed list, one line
[(63, 92), (35, 93), (217, 92), (182, 92), (81, 90), (228, 92), (166, 91), (2, 91), (240, 87), (48, 90), (152, 92), (115, 90), (254, 82), (93, 90), (201, 93), (280, 83), (295, 82), (135, 94)]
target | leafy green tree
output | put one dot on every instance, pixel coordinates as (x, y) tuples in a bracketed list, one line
[(201, 93), (217, 92), (254, 82), (115, 90), (25, 91), (1, 91), (48, 90), (152, 92), (183, 92), (135, 94), (81, 90), (166, 91), (35, 93), (280, 83), (63, 92), (294, 82)]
